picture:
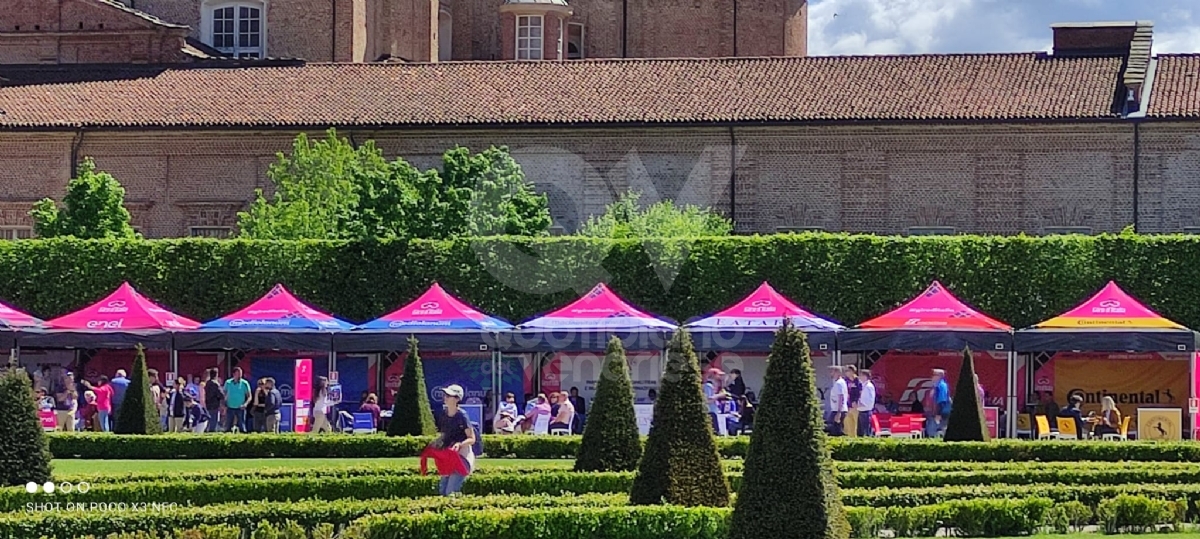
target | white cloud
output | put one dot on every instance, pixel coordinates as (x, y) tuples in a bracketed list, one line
[(839, 27)]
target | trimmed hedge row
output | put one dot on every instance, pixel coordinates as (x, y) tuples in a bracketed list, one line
[(554, 479), (230, 490), (972, 518), (100, 446), (1021, 280), (308, 514)]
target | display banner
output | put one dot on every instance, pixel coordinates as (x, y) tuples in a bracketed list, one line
[(1132, 383), (753, 367), (645, 417), (1160, 424), (303, 394), (582, 370), (902, 377), (991, 415), (471, 370)]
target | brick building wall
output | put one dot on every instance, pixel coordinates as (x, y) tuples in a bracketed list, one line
[(1000, 179), (80, 32), (364, 30)]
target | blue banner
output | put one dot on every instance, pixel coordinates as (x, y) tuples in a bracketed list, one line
[(474, 374), (283, 370), (354, 376), (286, 412)]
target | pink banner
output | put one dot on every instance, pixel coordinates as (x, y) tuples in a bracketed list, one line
[(903, 377), (303, 393), (49, 420), (991, 415)]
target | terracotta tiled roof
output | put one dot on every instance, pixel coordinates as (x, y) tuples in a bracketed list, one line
[(1176, 90), (872, 88)]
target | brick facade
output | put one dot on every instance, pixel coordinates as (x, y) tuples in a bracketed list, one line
[(84, 32), (1000, 178), (366, 30)]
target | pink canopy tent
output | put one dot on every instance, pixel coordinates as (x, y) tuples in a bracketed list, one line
[(123, 319), (13, 321), (587, 323)]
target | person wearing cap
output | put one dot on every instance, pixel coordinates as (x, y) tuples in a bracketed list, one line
[(455, 433)]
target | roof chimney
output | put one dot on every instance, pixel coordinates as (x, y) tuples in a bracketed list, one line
[(1095, 38)]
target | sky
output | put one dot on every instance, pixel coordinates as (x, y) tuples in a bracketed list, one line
[(839, 27)]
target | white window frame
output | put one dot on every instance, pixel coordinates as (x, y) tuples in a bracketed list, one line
[(195, 231), (528, 46), (208, 15), (582, 40), (16, 232)]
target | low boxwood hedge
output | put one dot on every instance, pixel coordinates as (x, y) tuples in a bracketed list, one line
[(233, 446), (534, 480), (411, 518)]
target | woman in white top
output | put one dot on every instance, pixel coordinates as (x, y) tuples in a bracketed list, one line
[(320, 410)]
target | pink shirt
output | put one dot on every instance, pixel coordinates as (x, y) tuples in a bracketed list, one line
[(104, 398)]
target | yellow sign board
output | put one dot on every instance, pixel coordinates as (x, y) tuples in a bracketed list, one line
[(1160, 424), (1134, 385)]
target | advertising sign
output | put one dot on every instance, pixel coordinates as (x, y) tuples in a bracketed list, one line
[(991, 415), (49, 420), (645, 416), (1160, 424), (1133, 384), (303, 394)]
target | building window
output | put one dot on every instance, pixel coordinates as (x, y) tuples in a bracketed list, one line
[(16, 232), (575, 41), (237, 30), (445, 36), (211, 231), (529, 37)]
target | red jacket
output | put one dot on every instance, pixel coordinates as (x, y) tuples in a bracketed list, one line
[(448, 462)]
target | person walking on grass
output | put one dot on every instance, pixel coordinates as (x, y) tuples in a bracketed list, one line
[(320, 409), (237, 397), (455, 433)]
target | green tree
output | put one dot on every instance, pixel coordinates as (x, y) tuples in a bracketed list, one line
[(626, 218), (680, 465), (93, 208), (24, 449), (611, 442), (138, 414), (411, 413), (966, 422), (788, 488), (316, 191), (500, 200)]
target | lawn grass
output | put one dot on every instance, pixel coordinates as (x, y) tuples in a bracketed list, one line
[(66, 467)]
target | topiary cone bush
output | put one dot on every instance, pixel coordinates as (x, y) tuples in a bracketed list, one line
[(967, 422), (680, 465), (610, 437), (24, 449), (138, 413), (788, 489), (411, 414)]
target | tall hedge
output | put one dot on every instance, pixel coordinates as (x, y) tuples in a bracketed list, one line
[(411, 413), (967, 422), (138, 414), (610, 437), (1020, 280), (788, 489), (24, 450), (680, 465)]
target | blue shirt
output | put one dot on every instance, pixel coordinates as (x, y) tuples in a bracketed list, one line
[(120, 385), (709, 392), (941, 397)]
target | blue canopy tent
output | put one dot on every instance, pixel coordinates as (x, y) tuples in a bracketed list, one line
[(438, 320)]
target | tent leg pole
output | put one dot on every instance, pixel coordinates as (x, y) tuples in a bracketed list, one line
[(1010, 400), (175, 362), (1192, 384)]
